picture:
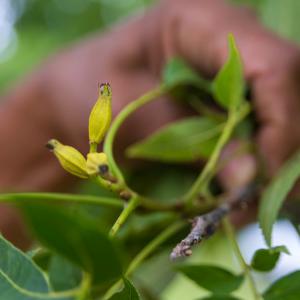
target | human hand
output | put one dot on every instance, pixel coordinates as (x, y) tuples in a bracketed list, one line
[(56, 99), (197, 30)]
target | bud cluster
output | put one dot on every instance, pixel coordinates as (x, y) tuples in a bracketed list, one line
[(96, 163)]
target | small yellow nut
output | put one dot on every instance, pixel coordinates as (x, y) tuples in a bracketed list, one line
[(97, 164), (70, 158), (101, 113)]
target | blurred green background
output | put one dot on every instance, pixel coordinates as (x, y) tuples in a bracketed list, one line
[(30, 30)]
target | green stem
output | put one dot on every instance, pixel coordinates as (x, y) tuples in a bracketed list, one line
[(148, 204), (42, 197), (168, 232), (121, 117), (246, 269), (209, 169), (114, 187), (93, 147), (145, 252), (85, 288), (133, 203)]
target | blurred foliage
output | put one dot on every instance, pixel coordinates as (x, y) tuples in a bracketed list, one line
[(252, 3), (280, 16), (44, 26), (50, 25), (283, 17)]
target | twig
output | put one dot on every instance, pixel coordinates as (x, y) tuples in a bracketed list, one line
[(204, 226)]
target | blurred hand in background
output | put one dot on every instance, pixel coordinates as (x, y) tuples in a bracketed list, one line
[(55, 100)]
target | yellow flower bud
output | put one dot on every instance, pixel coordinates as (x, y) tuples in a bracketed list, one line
[(100, 116), (97, 164), (70, 158)]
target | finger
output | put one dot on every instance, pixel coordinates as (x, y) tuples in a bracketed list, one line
[(199, 33), (277, 104), (238, 166)]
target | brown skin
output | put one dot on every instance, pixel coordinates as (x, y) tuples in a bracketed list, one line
[(55, 100)]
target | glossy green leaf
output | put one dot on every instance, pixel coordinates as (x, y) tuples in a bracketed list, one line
[(18, 268), (183, 141), (128, 293), (21, 279), (265, 260), (215, 279), (75, 237), (178, 72), (10, 291), (287, 288), (275, 194), (63, 275), (229, 85)]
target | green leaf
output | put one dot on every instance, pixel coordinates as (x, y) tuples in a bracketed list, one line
[(75, 237), (275, 194), (215, 279), (128, 293), (18, 268), (10, 291), (63, 275), (287, 288), (229, 85), (178, 72), (265, 260), (20, 278), (182, 141)]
